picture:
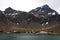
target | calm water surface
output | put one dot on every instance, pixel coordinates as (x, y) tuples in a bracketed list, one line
[(28, 37)]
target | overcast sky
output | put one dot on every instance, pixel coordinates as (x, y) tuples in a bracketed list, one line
[(27, 5)]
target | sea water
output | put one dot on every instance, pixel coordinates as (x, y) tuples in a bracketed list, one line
[(28, 37)]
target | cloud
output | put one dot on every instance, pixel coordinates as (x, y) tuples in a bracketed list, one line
[(27, 5)]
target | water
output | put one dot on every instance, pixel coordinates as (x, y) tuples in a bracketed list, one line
[(28, 37)]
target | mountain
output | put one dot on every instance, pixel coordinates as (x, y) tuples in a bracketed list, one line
[(45, 14), (40, 17)]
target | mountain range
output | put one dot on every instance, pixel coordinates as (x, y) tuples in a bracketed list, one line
[(40, 17)]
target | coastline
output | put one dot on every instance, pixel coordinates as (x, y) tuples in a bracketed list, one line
[(48, 33)]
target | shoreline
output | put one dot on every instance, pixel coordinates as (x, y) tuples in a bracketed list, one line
[(33, 33)]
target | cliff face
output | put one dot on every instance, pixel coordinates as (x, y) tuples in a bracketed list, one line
[(39, 17)]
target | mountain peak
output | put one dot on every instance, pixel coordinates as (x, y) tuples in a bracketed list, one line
[(45, 6), (43, 11), (9, 10)]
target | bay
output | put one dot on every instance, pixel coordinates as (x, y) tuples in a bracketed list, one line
[(28, 37)]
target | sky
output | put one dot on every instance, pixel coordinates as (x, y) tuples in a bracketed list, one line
[(27, 5)]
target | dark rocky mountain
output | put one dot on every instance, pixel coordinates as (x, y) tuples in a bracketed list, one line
[(45, 14), (9, 10), (36, 18)]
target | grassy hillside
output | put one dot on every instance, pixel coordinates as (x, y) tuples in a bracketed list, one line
[(55, 28)]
